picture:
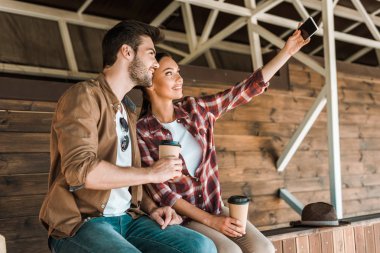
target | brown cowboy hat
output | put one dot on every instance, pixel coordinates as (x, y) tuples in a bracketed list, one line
[(319, 214)]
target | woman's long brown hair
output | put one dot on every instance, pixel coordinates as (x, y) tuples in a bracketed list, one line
[(146, 105)]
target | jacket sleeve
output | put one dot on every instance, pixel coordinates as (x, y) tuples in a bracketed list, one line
[(75, 125), (240, 93)]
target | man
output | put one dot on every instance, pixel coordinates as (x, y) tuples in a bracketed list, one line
[(95, 194)]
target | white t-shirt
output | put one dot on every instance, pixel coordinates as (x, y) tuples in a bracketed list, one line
[(120, 199), (191, 151)]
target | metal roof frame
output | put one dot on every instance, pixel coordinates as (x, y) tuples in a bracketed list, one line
[(246, 16)]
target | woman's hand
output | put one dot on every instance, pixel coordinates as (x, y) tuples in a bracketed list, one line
[(295, 43), (228, 226), (292, 46)]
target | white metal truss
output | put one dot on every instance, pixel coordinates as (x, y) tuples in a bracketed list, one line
[(233, 27), (339, 11), (304, 58), (189, 26), (300, 9), (84, 6), (254, 38), (320, 26), (332, 107), (206, 34), (69, 51), (291, 200), (259, 12), (302, 130), (358, 54), (361, 52), (249, 15), (368, 21), (165, 13)]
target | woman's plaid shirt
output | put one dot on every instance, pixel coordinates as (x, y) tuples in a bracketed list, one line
[(198, 115)]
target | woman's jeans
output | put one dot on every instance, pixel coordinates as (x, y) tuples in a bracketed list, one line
[(124, 234)]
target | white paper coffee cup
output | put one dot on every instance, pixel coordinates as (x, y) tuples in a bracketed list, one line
[(238, 206), (169, 148)]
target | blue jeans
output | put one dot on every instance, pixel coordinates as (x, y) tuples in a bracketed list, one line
[(124, 234)]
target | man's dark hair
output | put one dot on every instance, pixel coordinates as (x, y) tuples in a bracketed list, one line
[(127, 32)]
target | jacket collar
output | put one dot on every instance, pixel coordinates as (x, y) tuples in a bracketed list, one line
[(113, 100)]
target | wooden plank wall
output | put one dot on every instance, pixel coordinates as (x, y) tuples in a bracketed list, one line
[(24, 165), (356, 238), (249, 140)]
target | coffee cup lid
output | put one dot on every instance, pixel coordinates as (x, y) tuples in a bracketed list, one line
[(170, 143), (238, 200)]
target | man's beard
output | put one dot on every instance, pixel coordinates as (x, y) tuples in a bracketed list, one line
[(139, 73)]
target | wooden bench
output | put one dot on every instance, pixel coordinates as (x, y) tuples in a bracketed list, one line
[(361, 236)]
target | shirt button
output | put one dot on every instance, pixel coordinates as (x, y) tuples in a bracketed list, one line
[(103, 206), (200, 195), (197, 179)]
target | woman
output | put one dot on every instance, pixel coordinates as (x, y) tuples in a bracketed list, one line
[(196, 194)]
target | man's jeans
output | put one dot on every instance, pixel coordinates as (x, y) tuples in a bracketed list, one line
[(123, 234)]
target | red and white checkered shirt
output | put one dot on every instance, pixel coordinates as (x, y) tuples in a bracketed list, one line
[(198, 116)]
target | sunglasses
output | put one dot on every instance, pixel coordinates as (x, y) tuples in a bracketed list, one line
[(125, 138)]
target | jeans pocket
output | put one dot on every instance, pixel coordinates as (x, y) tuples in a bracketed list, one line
[(55, 244)]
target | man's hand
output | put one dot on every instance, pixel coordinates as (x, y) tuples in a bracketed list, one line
[(165, 169), (165, 216)]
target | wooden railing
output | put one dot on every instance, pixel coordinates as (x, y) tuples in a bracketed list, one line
[(358, 237)]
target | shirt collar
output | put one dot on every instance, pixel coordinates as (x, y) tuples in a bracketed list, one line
[(115, 103), (155, 125), (180, 112)]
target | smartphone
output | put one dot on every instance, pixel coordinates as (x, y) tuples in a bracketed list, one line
[(308, 28)]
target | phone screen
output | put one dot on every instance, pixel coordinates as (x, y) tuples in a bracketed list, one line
[(308, 28)]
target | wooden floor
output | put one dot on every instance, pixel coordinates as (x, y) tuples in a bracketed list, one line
[(358, 237)]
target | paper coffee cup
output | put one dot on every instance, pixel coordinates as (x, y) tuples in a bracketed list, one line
[(3, 248), (238, 206), (169, 148)]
